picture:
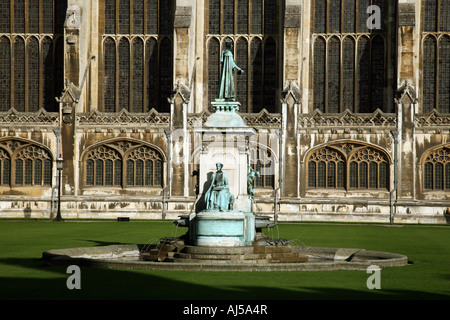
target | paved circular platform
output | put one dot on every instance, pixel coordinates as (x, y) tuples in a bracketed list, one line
[(249, 258)]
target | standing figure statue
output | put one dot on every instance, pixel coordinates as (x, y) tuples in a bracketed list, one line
[(226, 89), (252, 174), (218, 196)]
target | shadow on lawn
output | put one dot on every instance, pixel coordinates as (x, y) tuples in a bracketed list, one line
[(113, 284)]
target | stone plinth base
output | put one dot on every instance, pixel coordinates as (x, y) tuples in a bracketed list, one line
[(222, 229)]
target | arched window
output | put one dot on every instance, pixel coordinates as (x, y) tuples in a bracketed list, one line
[(123, 164), (349, 69), (24, 164), (144, 167), (326, 169), (436, 56), (253, 28), (348, 166), (103, 167), (437, 170), (30, 72), (5, 168), (137, 55), (5, 73)]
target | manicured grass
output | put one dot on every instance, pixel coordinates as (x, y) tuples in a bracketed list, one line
[(23, 275)]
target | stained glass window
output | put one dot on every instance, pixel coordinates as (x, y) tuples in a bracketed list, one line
[(228, 16), (437, 170), (5, 17), (349, 16), (32, 166), (335, 16), (103, 167), (48, 71), (138, 16), (142, 78), (109, 49), (152, 16), (444, 74), (320, 16), (151, 55), (257, 22), (270, 76), (33, 16), (319, 73), (124, 74), (367, 168), (138, 75), (364, 75), (166, 74), (33, 74), (47, 19), (377, 73), (242, 61), (110, 16), (5, 167), (430, 17), (436, 56), (124, 17), (362, 52), (256, 77), (429, 74), (213, 68), (242, 17), (5, 74), (333, 75), (348, 73), (34, 78), (19, 74), (19, 16)]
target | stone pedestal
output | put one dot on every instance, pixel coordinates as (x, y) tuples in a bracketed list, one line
[(225, 138), (222, 229)]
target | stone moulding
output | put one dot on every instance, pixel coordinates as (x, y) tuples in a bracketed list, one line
[(347, 119), (432, 119), (41, 117)]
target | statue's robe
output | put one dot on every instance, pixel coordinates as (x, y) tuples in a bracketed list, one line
[(227, 90), (218, 194)]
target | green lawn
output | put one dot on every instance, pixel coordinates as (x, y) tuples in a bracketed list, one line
[(23, 274)]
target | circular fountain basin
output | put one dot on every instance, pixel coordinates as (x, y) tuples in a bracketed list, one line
[(195, 258)]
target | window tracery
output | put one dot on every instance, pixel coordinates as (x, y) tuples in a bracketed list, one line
[(123, 164), (142, 77), (349, 69), (348, 166), (252, 26), (31, 71), (24, 164), (436, 56), (437, 170)]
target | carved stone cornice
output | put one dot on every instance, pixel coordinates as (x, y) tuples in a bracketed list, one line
[(123, 117), (347, 119), (41, 117), (432, 119)]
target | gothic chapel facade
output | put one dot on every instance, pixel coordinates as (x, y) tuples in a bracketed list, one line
[(350, 100)]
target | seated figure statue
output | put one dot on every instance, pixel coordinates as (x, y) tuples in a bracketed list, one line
[(218, 196)]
